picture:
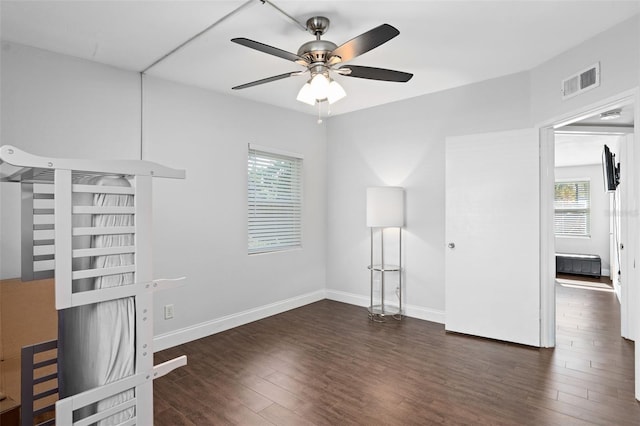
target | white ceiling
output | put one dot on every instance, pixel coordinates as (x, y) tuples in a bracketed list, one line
[(582, 150), (443, 43), (581, 143)]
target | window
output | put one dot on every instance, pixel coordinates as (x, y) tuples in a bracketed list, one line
[(572, 208), (274, 200)]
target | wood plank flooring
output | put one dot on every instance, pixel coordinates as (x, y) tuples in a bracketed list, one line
[(327, 364)]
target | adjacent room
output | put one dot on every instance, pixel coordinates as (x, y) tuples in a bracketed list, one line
[(330, 212)]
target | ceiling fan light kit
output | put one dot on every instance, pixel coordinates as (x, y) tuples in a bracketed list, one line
[(319, 86), (319, 89), (335, 92), (321, 58), (306, 95)]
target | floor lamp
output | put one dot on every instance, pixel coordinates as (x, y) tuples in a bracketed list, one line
[(385, 209)]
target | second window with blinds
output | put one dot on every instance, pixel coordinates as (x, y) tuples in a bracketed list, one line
[(274, 200), (572, 208)]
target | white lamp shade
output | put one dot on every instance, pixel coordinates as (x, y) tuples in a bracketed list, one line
[(385, 207)]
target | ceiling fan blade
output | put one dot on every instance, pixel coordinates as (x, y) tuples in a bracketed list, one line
[(372, 73), (268, 49), (265, 80), (365, 42)]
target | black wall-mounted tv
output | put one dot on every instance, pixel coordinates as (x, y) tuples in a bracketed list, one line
[(610, 170)]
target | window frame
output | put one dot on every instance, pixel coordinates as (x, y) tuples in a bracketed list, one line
[(291, 216), (575, 210)]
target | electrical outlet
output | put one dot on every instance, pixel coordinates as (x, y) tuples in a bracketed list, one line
[(168, 312)]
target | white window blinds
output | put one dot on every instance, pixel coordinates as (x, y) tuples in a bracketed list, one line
[(572, 208), (274, 201)]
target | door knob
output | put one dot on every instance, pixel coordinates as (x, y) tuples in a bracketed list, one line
[(451, 245)]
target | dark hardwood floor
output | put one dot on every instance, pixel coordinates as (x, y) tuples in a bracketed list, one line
[(604, 279), (327, 364), (571, 277)]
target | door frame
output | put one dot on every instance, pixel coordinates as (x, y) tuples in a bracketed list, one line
[(547, 241)]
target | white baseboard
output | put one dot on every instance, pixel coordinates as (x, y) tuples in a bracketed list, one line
[(412, 311), (606, 272), (198, 331), (350, 298), (427, 314)]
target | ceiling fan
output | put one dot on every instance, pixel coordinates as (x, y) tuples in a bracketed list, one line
[(321, 58)]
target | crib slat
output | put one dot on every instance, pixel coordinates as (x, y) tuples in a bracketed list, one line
[(45, 363), (43, 250), (101, 189), (103, 210), (101, 392), (43, 219), (105, 251), (130, 422), (111, 230), (43, 410), (100, 272), (104, 294), (106, 413), (43, 203), (43, 188), (44, 234), (44, 265), (112, 293), (45, 394), (45, 378)]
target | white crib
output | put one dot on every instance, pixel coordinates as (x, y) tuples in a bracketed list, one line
[(55, 232)]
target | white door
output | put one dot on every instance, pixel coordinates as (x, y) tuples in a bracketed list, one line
[(493, 236)]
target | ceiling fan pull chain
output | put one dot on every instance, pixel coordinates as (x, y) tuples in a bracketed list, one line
[(319, 112)]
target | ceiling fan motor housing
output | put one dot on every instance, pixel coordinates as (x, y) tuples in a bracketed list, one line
[(316, 50)]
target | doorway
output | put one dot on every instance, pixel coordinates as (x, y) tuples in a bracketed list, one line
[(587, 218), (626, 214)]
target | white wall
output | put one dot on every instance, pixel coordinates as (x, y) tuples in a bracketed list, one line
[(617, 50), (59, 106), (55, 105), (200, 224), (598, 243), (402, 144)]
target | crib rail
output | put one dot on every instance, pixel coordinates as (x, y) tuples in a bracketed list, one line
[(39, 383), (112, 293), (21, 166), (37, 224), (66, 407), (67, 230)]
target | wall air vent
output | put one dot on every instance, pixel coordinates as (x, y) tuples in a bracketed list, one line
[(587, 79)]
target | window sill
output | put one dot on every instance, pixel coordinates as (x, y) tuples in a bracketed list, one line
[(574, 237), (284, 250)]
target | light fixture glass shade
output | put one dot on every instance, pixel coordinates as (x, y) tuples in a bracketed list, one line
[(610, 115), (306, 95), (319, 86), (335, 92), (385, 207)]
